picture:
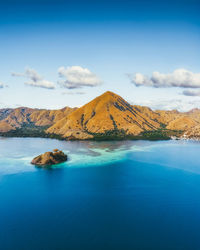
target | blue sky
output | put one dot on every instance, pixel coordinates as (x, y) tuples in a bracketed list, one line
[(108, 42)]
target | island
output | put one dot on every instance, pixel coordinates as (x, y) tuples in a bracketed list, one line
[(107, 117), (49, 158)]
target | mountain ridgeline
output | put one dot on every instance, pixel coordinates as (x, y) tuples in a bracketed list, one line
[(106, 117)]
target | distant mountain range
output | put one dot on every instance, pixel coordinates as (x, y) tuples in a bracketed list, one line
[(108, 116)]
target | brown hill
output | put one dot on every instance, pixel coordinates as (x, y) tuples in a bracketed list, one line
[(10, 119), (108, 112), (193, 132), (107, 116), (167, 116), (194, 114), (182, 123)]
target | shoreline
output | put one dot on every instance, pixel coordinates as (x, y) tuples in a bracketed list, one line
[(110, 135), (128, 138)]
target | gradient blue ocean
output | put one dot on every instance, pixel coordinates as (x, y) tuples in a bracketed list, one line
[(109, 195)]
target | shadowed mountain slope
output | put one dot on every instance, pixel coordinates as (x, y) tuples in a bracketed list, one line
[(108, 112)]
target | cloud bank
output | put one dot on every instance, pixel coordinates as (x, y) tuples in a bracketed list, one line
[(190, 92), (34, 79), (77, 77), (181, 78), (73, 93), (171, 104)]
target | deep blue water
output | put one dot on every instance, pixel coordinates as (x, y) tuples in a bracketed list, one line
[(109, 195)]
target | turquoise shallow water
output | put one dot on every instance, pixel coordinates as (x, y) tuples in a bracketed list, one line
[(109, 195)]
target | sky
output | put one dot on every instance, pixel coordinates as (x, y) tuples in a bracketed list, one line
[(65, 53)]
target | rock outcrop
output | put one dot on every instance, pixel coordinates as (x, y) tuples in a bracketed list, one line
[(49, 158)]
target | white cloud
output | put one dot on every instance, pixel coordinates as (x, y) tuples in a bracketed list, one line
[(41, 83), (190, 92), (35, 79), (1, 85), (170, 104), (77, 77), (178, 78), (73, 93)]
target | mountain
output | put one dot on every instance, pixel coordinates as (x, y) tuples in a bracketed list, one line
[(194, 131), (12, 119), (108, 116)]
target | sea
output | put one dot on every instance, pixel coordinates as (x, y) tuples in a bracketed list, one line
[(108, 195)]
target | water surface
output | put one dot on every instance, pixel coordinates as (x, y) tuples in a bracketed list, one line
[(109, 195)]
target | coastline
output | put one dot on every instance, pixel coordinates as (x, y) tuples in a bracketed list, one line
[(111, 136)]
